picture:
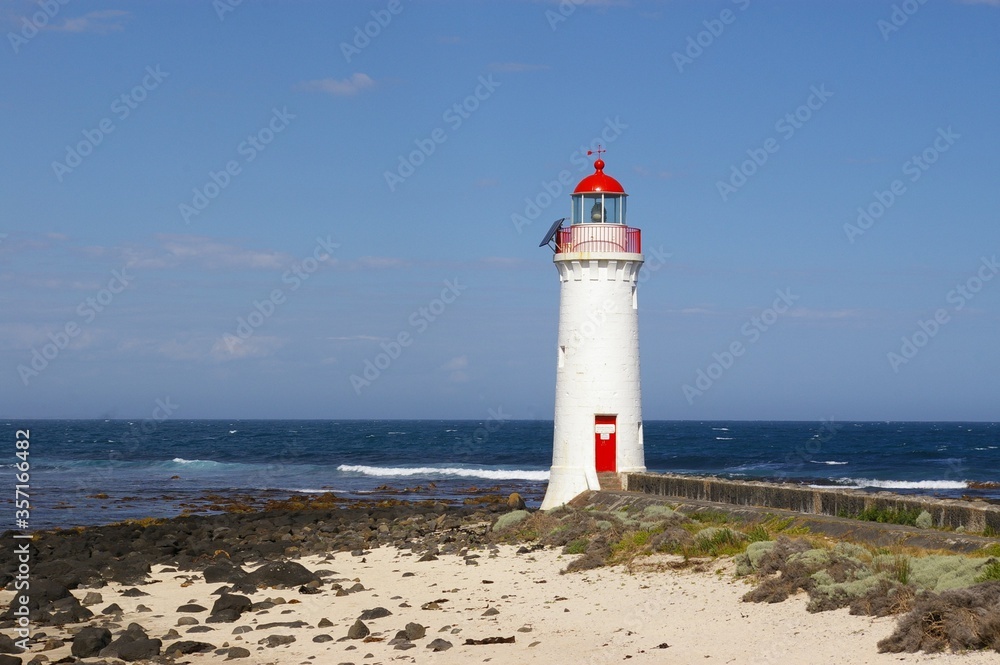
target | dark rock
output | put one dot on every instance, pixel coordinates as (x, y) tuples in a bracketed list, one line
[(200, 629), (515, 502), (319, 639), (272, 641), (403, 646), (134, 593), (113, 608), (89, 641), (10, 660), (491, 640), (491, 612), (239, 630), (237, 652), (282, 624), (92, 598), (191, 608), (281, 574), (140, 649), (414, 631), (229, 607), (223, 616), (187, 646), (358, 631), (187, 621), (428, 557), (439, 645), (223, 572), (374, 613), (324, 623), (7, 645)]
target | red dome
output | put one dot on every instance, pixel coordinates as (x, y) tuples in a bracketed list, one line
[(599, 182)]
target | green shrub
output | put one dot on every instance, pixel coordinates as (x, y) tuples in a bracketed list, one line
[(757, 549), (990, 571), (941, 572), (813, 559), (578, 546), (924, 520), (658, 512), (510, 519), (889, 515), (709, 517), (717, 541), (758, 533)]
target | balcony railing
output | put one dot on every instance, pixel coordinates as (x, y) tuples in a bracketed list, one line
[(599, 238)]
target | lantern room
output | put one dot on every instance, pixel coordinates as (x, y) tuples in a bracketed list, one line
[(599, 199)]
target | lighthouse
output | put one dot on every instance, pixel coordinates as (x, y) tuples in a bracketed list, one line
[(598, 408)]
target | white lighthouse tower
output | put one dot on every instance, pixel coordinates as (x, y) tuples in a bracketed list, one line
[(598, 414)]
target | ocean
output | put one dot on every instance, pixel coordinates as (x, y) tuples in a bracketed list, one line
[(87, 472)]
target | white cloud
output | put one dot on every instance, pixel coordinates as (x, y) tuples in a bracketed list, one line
[(230, 347), (348, 87), (100, 22), (204, 252), (456, 369)]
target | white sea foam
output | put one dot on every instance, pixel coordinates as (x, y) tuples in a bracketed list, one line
[(830, 462), (720, 429), (858, 483), (488, 474), (723, 438)]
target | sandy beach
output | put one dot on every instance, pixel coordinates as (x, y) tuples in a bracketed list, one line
[(604, 615)]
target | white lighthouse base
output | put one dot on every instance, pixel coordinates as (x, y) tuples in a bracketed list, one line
[(566, 483)]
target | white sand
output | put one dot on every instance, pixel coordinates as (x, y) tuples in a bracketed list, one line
[(602, 616)]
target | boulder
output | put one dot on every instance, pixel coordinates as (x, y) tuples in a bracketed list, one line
[(89, 641), (358, 631), (282, 575)]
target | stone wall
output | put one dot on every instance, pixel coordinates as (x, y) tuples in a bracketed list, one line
[(973, 516)]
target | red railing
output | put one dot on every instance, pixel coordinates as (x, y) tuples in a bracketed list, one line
[(599, 238)]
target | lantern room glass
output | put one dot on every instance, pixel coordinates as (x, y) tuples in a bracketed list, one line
[(598, 208)]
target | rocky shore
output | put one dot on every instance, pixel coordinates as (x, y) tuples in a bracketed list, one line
[(317, 579)]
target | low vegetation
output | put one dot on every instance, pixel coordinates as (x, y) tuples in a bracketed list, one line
[(948, 601)]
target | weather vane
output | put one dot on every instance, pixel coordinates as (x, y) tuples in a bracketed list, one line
[(598, 151)]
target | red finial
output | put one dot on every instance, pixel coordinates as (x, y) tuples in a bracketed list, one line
[(599, 164)]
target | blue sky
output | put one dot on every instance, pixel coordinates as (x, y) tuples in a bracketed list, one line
[(237, 207)]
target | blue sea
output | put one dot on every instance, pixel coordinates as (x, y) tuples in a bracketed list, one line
[(156, 469)]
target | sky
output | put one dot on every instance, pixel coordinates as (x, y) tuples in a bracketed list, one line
[(310, 209)]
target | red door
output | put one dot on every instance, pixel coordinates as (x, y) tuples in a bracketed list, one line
[(604, 443)]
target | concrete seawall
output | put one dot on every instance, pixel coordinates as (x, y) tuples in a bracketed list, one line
[(972, 516)]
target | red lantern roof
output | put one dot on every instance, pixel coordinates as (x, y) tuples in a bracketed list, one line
[(599, 182)]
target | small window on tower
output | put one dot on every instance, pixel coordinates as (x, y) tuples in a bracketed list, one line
[(635, 297), (562, 355)]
